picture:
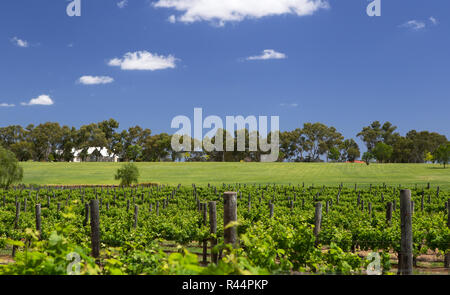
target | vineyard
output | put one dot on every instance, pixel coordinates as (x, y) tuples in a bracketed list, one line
[(273, 229)]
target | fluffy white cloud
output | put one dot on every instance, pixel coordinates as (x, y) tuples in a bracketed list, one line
[(268, 54), (237, 10), (433, 20), (144, 60), (94, 80), (43, 99), (122, 4), (19, 42), (414, 25), (6, 105)]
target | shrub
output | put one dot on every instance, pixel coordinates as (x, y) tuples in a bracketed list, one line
[(10, 171), (128, 174)]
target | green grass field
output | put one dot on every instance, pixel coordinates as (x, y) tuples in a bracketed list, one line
[(218, 173)]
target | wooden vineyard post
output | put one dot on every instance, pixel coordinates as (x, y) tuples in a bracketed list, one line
[(136, 214), (317, 221), (205, 241), (25, 205), (229, 217), (271, 207), (86, 214), (38, 220), (389, 213), (447, 256), (16, 226), (421, 203), (213, 229), (58, 208), (95, 228), (406, 246), (157, 208)]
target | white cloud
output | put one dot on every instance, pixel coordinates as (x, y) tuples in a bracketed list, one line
[(237, 10), (144, 60), (292, 105), (268, 54), (414, 25), (43, 99), (20, 42), (6, 105), (172, 19), (122, 4), (433, 20), (94, 80)]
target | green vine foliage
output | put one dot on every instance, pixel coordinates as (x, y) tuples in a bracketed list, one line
[(284, 244)]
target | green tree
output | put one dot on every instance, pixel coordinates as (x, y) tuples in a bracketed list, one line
[(349, 150), (376, 133), (10, 171), (291, 144), (382, 152), (428, 157), (109, 129), (46, 139), (442, 154), (23, 150), (134, 152), (367, 157), (319, 139), (334, 154), (157, 147), (128, 174)]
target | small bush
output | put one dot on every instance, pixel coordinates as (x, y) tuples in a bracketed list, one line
[(128, 174)]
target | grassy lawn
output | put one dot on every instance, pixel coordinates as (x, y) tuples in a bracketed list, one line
[(218, 173)]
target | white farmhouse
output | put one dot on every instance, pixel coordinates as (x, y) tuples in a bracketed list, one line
[(95, 154)]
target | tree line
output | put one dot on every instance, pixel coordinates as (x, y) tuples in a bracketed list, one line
[(315, 142)]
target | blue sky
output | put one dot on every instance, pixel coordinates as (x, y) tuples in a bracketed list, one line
[(336, 65)]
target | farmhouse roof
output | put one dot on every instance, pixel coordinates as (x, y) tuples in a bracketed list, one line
[(103, 151)]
